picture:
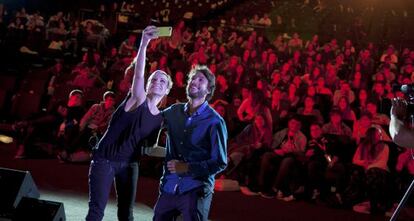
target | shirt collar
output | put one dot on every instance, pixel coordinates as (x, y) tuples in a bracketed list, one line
[(200, 109)]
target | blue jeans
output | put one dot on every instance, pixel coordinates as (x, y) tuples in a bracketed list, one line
[(193, 205), (101, 175)]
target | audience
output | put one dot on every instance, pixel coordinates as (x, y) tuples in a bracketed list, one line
[(261, 83)]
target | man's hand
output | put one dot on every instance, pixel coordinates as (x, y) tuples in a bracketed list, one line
[(399, 108), (175, 166)]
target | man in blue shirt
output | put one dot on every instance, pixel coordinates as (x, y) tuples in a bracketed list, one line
[(196, 151)]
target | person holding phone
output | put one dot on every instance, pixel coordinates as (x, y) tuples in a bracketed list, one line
[(116, 155)]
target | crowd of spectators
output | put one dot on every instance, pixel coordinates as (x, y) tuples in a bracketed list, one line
[(306, 119)]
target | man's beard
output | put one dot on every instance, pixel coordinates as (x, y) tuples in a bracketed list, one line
[(198, 94)]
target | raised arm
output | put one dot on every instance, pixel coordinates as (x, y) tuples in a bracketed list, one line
[(138, 94)]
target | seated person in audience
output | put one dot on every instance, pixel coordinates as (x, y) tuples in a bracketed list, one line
[(63, 118), (86, 77), (265, 20), (279, 108), (254, 104), (278, 166), (405, 173), (128, 46), (335, 125), (319, 156), (309, 110), (221, 107), (246, 148), (363, 124), (372, 157), (69, 128), (344, 91), (377, 118), (95, 33), (92, 126), (347, 113)]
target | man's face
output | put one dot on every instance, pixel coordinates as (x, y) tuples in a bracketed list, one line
[(109, 102), (335, 118), (179, 77), (198, 86), (75, 100), (372, 108), (315, 131), (293, 125)]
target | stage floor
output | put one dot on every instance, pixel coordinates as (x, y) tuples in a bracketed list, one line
[(67, 183)]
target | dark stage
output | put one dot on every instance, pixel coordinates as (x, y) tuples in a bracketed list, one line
[(67, 183)]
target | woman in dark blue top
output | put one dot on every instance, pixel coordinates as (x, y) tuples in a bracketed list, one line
[(116, 154)]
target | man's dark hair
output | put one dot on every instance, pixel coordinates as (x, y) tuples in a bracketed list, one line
[(208, 74)]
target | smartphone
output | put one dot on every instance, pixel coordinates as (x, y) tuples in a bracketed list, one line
[(164, 31)]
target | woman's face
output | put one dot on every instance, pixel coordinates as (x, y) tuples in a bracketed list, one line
[(309, 102), (158, 84), (276, 96), (311, 91), (363, 95), (343, 104)]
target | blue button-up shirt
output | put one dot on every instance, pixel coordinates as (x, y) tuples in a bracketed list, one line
[(200, 140)]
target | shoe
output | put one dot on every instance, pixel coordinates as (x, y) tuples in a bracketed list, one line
[(26, 50), (246, 191), (315, 194), (280, 195), (268, 195), (20, 152), (63, 157), (289, 198), (299, 190), (391, 211), (363, 207)]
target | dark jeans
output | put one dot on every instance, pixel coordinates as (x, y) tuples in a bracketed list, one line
[(278, 172), (316, 170), (101, 175), (193, 205)]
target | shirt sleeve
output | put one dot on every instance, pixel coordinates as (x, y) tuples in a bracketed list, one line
[(218, 153), (277, 139), (88, 116), (400, 134), (357, 158)]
